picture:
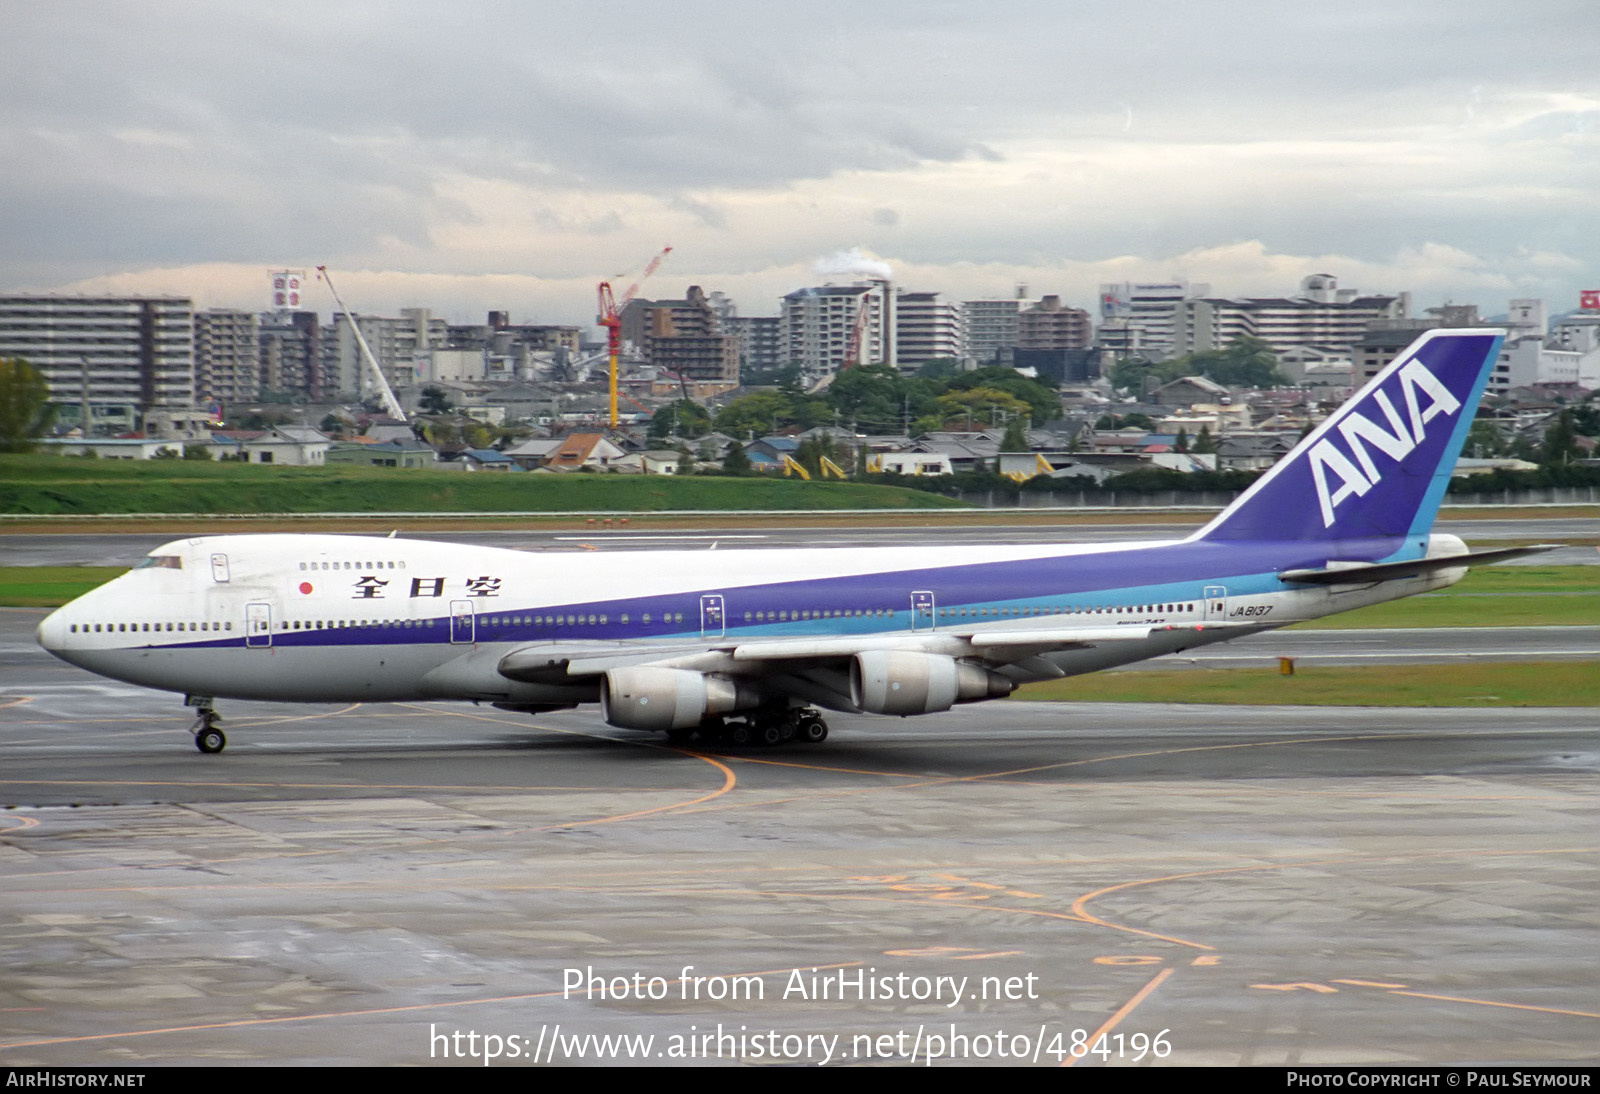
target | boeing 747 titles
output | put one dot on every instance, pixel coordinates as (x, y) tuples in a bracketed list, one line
[(745, 646)]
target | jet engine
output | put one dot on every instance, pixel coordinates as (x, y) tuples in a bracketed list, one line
[(660, 698), (896, 682)]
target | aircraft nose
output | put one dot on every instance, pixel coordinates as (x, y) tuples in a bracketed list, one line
[(52, 632)]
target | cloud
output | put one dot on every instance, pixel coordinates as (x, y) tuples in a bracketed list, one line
[(498, 140)]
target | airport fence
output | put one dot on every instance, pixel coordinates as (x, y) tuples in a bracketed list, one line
[(1218, 499)]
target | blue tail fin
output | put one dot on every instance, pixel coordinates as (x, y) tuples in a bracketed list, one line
[(1378, 467)]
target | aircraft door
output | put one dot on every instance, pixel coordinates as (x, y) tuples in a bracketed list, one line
[(712, 622), (1216, 603), (219, 569), (462, 621), (258, 625), (922, 611)]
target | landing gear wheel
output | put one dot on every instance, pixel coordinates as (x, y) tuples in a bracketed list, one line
[(738, 734), (771, 734), (207, 737), (813, 731)]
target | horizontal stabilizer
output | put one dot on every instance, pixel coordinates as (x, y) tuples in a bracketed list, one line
[(1361, 573)]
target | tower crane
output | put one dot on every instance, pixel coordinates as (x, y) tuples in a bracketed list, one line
[(611, 318)]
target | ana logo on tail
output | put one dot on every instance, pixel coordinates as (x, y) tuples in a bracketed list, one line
[(1353, 467)]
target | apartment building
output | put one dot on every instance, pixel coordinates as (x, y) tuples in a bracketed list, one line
[(817, 326), (133, 350), (227, 355), (1050, 324), (989, 326), (684, 337), (926, 326), (1141, 317), (1321, 315)]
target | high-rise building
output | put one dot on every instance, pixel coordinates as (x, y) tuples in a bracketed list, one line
[(394, 344), (227, 355), (1527, 317), (926, 326), (124, 349), (291, 354), (684, 336), (990, 326), (821, 327), (1322, 315), (1049, 324), (760, 346), (1140, 317)]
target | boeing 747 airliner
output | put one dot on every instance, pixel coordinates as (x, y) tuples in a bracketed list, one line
[(742, 646)]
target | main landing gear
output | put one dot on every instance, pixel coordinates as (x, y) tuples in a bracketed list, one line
[(763, 727), (207, 737)]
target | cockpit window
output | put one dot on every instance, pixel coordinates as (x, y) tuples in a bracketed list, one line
[(166, 562)]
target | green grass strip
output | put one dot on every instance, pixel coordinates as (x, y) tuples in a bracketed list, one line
[(55, 485), (50, 586), (1489, 596), (1485, 684)]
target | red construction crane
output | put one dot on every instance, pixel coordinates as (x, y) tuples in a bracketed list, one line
[(858, 334), (611, 318)]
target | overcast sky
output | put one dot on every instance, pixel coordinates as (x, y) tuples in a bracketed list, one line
[(483, 155)]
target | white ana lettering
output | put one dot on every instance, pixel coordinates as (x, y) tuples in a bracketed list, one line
[(1394, 445), (1414, 376), (1359, 431), (1351, 481)]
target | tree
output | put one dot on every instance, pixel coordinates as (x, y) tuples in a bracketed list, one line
[(737, 461), (1560, 447), (681, 418), (1135, 420), (434, 401), (979, 405), (1205, 444), (1044, 403), (1243, 362), (810, 453), (1484, 440), (1586, 420), (760, 413), (1016, 437), (25, 410)]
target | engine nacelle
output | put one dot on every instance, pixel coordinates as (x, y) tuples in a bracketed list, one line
[(895, 682), (658, 698)]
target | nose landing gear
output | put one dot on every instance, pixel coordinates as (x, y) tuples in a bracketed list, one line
[(207, 737)]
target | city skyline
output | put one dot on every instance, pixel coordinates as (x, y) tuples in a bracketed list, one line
[(506, 156)]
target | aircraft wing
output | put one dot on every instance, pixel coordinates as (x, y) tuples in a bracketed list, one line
[(548, 663)]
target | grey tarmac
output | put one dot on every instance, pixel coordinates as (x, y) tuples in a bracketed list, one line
[(352, 884)]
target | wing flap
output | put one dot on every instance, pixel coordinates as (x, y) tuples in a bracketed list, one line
[(551, 663)]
